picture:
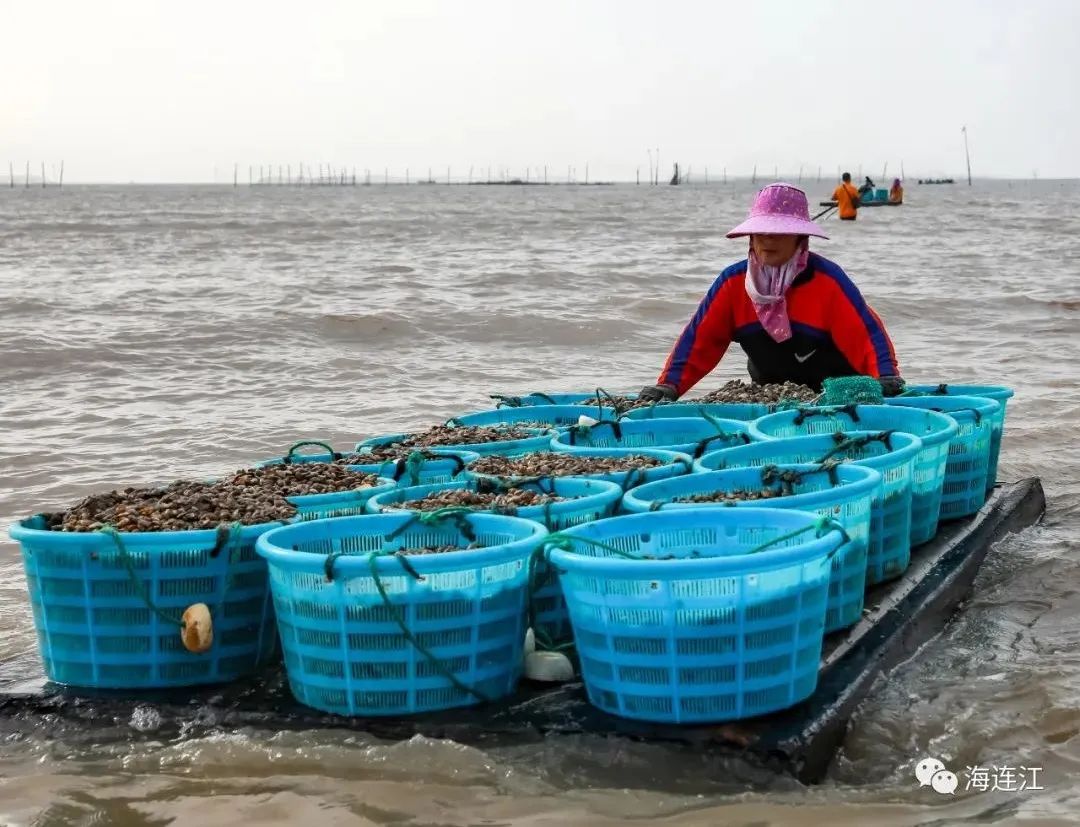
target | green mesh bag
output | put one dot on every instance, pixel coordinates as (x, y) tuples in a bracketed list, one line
[(852, 390)]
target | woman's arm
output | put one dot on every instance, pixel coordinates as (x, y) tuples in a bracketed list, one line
[(706, 337)]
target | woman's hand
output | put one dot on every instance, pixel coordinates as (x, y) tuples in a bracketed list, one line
[(891, 385), (659, 393)]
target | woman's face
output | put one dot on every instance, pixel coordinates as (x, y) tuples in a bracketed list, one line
[(774, 250)]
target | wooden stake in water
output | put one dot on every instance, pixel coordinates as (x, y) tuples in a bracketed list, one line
[(27, 176), (11, 173), (753, 176), (967, 154), (43, 175), (61, 182), (586, 173), (884, 173), (235, 173)]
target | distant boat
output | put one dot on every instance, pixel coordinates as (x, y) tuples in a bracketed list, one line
[(872, 198), (937, 181)]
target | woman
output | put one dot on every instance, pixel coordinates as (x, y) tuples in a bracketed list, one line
[(796, 315), (896, 192)]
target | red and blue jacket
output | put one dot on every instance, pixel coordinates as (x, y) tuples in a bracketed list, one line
[(834, 332)]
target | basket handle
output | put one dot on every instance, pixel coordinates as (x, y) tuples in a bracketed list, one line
[(288, 458)]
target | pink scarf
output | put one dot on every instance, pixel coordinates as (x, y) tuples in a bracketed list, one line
[(767, 288)]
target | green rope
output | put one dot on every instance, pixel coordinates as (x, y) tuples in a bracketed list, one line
[(412, 466), (125, 558), (400, 620), (846, 443), (395, 612), (457, 514), (619, 409), (288, 458), (541, 573)]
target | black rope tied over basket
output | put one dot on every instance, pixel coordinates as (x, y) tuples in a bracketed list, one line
[(974, 411), (602, 394), (585, 431), (738, 436), (805, 413), (788, 478), (846, 443), (519, 401)]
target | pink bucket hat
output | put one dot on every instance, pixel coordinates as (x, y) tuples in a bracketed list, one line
[(780, 209)]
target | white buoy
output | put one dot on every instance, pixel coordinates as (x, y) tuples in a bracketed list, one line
[(530, 642), (587, 420), (549, 667)]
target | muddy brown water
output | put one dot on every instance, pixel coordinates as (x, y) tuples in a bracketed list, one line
[(151, 333)]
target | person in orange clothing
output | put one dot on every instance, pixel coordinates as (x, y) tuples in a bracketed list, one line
[(797, 315), (847, 198), (896, 192)]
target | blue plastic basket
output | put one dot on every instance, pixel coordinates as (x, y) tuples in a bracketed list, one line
[(728, 634), (592, 500), (741, 411), (688, 435), (538, 399), (999, 393), (934, 429), (338, 503), (430, 465), (890, 454), (964, 490), (553, 416), (367, 632), (845, 493), (94, 602), (675, 463), (538, 442)]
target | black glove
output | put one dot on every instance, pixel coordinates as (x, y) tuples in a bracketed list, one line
[(658, 393), (892, 385)]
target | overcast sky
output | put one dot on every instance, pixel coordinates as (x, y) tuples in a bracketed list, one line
[(179, 91)]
